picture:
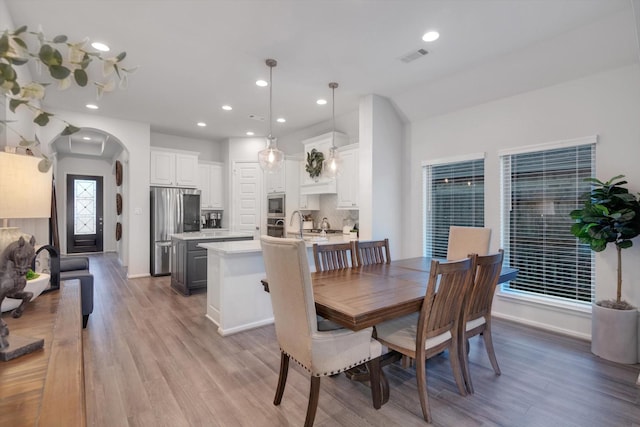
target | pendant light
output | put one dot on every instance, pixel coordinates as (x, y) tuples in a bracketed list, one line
[(332, 165), (270, 158)]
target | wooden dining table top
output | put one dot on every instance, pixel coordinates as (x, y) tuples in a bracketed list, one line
[(361, 297)]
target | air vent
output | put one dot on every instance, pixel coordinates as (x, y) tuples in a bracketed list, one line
[(256, 117), (412, 56)]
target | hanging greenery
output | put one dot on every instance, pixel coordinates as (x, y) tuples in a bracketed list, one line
[(66, 63), (315, 159)]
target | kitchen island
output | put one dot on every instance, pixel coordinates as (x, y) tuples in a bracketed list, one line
[(235, 300), (189, 262)]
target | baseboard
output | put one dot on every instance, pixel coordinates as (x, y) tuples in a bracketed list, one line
[(137, 276), (544, 326)]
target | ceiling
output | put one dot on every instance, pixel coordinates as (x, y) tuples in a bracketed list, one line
[(195, 56)]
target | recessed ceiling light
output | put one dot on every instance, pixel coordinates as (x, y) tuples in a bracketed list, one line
[(100, 46), (227, 107), (431, 36), (281, 120), (86, 138), (262, 83), (92, 106), (201, 124), (250, 133), (321, 102)]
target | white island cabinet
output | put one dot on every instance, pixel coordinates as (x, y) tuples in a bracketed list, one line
[(236, 301)]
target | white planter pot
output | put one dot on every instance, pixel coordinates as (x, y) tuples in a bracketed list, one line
[(34, 285), (614, 334)]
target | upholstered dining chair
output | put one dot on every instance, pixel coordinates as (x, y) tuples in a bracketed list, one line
[(332, 256), (435, 328), (477, 311), (467, 240), (319, 353), (372, 252)]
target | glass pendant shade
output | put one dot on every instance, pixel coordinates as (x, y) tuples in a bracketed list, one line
[(270, 158), (331, 167)]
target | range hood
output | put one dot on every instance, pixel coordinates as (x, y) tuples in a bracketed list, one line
[(322, 143)]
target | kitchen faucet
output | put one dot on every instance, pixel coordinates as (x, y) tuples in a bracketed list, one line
[(300, 219)]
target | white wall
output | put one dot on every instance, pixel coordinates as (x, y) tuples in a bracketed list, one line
[(605, 104), (94, 167), (381, 154), (208, 150), (135, 137)]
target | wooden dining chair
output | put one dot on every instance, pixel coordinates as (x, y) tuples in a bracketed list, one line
[(476, 311), (319, 353), (332, 256), (435, 328), (467, 240), (372, 252)]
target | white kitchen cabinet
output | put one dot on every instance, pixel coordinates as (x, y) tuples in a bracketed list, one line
[(173, 168), (320, 184), (210, 183), (276, 181), (347, 182)]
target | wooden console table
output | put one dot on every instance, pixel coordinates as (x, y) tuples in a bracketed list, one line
[(46, 387)]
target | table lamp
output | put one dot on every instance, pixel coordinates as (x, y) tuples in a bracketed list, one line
[(25, 192)]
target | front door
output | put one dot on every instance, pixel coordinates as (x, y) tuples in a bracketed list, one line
[(84, 213), (246, 196)]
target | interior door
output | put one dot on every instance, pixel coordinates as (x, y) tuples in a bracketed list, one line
[(84, 214), (246, 197)]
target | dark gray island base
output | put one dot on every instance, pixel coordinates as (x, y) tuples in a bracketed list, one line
[(189, 262)]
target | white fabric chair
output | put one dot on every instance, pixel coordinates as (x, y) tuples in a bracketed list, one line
[(320, 353), (436, 328), (467, 240)]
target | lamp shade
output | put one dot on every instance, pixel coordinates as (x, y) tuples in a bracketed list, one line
[(25, 192)]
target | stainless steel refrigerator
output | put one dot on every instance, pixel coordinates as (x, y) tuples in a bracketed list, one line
[(173, 210)]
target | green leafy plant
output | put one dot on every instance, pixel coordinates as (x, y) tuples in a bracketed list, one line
[(31, 274), (66, 62), (610, 215)]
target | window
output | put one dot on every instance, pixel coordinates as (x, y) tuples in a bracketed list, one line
[(541, 187), (453, 195)]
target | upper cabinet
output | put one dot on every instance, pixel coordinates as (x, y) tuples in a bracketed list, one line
[(276, 180), (348, 181), (174, 168), (210, 183), (319, 184)]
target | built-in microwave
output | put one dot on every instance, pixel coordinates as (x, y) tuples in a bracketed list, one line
[(275, 205)]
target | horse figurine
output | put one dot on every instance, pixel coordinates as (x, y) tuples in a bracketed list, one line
[(15, 261)]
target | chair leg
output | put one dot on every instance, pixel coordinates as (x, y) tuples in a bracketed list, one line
[(488, 343), (314, 394), (374, 379), (85, 320), (282, 379), (464, 361), (454, 359), (421, 375)]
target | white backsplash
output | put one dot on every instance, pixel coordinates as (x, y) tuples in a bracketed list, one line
[(337, 218)]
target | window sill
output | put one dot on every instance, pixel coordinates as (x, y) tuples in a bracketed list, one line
[(551, 303)]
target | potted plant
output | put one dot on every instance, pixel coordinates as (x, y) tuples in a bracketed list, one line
[(611, 215)]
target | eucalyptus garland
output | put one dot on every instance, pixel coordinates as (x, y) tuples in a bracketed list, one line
[(315, 159)]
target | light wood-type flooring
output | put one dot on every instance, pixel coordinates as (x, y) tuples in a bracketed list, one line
[(153, 359)]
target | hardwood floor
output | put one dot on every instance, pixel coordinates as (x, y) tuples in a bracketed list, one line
[(152, 359)]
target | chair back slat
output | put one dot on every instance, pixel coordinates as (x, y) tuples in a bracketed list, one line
[(480, 298), (372, 252), (332, 256), (448, 284)]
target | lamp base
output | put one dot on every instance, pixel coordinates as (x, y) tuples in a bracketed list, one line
[(19, 346)]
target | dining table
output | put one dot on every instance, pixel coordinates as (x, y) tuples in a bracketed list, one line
[(361, 297)]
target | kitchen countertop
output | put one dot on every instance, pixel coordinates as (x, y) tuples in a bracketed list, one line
[(252, 246), (210, 234)]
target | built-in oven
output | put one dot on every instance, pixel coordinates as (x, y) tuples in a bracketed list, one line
[(275, 227), (275, 205)]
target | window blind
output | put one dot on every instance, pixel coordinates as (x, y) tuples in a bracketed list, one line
[(454, 195), (540, 189)]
